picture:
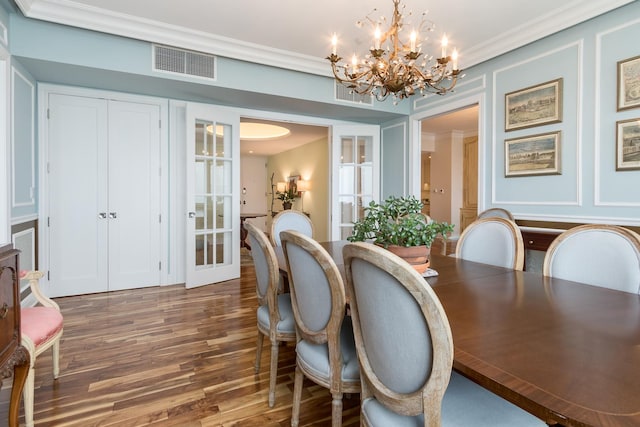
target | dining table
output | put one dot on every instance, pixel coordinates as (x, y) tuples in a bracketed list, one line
[(567, 352)]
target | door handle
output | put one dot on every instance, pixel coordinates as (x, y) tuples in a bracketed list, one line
[(192, 214), (113, 215), (102, 215)]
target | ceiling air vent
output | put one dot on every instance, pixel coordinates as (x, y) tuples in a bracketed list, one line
[(343, 93), (179, 61)]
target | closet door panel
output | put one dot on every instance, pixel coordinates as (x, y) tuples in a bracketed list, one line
[(134, 195), (77, 136)]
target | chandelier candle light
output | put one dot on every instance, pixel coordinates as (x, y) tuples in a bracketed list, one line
[(400, 69)]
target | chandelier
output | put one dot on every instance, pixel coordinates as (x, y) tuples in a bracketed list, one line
[(399, 69)]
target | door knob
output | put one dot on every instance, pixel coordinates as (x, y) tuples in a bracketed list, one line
[(113, 215), (192, 214), (102, 215)]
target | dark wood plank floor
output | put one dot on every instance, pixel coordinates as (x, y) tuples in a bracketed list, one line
[(167, 356)]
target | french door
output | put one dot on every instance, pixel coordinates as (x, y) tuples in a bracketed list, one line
[(356, 175), (213, 202)]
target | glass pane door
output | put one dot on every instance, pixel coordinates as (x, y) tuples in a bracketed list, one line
[(356, 183), (212, 176)]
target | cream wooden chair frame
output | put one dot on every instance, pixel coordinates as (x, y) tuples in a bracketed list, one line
[(52, 342), (329, 335)]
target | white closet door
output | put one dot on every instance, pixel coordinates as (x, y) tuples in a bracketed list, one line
[(134, 195), (104, 195), (78, 224)]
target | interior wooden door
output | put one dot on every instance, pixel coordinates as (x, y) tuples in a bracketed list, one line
[(469, 210)]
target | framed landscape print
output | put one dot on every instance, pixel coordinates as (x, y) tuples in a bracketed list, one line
[(629, 83), (533, 155), (534, 106), (628, 145)]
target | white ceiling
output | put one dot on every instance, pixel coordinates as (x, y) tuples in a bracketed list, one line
[(296, 34)]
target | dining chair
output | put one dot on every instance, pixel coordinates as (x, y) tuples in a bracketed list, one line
[(274, 314), (496, 212), (290, 220), (599, 255), (325, 350), (41, 328), (405, 350), (493, 240)]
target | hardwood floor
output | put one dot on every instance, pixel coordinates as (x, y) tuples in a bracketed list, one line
[(167, 356)]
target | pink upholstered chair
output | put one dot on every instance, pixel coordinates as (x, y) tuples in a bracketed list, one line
[(41, 328)]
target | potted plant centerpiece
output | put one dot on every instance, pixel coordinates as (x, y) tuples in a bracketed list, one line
[(287, 196), (399, 225)]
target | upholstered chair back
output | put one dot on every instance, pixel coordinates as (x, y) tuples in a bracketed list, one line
[(402, 333), (496, 212), (317, 290), (290, 220), (493, 240), (600, 255), (405, 349)]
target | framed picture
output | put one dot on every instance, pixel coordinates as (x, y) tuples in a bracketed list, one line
[(534, 106), (293, 184), (629, 83), (628, 145), (533, 155)]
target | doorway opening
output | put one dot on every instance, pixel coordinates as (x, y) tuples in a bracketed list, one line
[(302, 153), (449, 166)]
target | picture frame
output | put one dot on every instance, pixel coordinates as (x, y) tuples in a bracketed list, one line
[(292, 184), (629, 83), (628, 145), (533, 155), (533, 106)]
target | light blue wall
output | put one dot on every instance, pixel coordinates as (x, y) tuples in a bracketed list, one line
[(88, 50), (4, 22), (394, 142), (589, 189), (24, 194)]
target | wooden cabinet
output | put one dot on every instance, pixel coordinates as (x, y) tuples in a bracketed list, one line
[(14, 359)]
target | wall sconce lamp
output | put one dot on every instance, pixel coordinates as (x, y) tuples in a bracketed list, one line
[(303, 187)]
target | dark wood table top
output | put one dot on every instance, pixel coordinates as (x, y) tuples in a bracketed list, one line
[(567, 352)]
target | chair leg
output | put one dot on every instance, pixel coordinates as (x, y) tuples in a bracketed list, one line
[(56, 359), (259, 351), (273, 373), (297, 397), (27, 395), (336, 410)]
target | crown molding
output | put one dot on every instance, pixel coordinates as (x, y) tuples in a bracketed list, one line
[(91, 18), (74, 14), (564, 16)]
